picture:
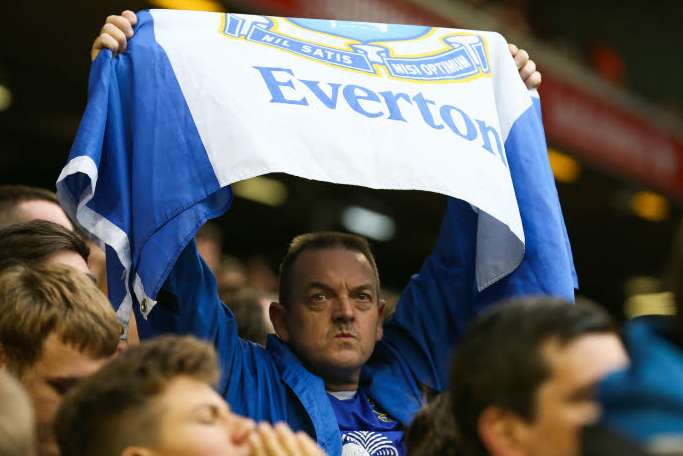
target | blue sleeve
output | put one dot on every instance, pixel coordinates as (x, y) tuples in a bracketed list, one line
[(188, 304), (438, 303)]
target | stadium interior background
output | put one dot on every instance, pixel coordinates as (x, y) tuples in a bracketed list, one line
[(613, 108)]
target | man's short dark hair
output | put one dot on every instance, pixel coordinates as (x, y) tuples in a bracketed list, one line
[(13, 195), (321, 241), (500, 360), (114, 408), (432, 431), (35, 241)]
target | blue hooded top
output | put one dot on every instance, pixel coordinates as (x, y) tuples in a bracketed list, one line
[(645, 401)]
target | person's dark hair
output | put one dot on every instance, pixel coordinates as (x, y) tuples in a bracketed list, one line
[(114, 408), (432, 431), (13, 195), (500, 361), (35, 241), (321, 241)]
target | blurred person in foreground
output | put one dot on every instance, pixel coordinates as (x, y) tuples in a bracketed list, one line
[(334, 370), (56, 327), (21, 203), (40, 242), (433, 431), (524, 375), (17, 433), (645, 401), (157, 399)]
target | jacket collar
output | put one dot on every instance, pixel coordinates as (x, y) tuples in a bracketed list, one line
[(310, 390)]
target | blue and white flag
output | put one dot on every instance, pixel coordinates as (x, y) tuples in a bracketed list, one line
[(202, 100)]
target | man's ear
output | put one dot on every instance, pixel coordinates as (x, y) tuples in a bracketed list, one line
[(502, 432), (382, 305), (278, 316)]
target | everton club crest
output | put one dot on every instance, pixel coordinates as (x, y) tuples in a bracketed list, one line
[(383, 50)]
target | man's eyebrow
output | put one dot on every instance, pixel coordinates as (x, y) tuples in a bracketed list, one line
[(324, 286), (364, 286), (320, 285)]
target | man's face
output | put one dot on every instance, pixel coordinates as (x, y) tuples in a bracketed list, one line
[(44, 210), (197, 421), (59, 367), (564, 402), (333, 316)]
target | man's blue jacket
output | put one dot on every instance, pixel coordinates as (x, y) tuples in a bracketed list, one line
[(271, 384)]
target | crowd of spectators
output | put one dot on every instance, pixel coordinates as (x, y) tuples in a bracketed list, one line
[(527, 377), (311, 360)]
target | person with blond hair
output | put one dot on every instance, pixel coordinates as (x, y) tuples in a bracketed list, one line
[(56, 327), (157, 399)]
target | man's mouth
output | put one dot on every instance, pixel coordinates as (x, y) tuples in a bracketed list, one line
[(344, 335)]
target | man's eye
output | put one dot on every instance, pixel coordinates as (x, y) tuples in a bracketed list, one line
[(209, 415), (364, 297), (318, 297)]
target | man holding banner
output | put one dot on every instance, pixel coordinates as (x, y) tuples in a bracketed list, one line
[(153, 159)]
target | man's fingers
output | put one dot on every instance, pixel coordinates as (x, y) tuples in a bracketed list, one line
[(104, 41), (113, 31), (256, 442), (307, 446), (521, 58), (526, 67), (115, 34), (287, 439), (527, 70), (132, 18), (270, 440), (122, 23), (533, 81)]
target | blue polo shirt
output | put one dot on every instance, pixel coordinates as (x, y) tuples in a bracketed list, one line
[(365, 428)]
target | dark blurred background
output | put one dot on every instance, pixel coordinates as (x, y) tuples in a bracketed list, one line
[(612, 100)]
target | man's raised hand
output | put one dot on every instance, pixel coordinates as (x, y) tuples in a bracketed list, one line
[(526, 67), (114, 34)]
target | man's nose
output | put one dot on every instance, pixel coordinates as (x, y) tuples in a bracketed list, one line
[(343, 309), (239, 428)]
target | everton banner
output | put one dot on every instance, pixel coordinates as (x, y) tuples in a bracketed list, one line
[(202, 100)]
